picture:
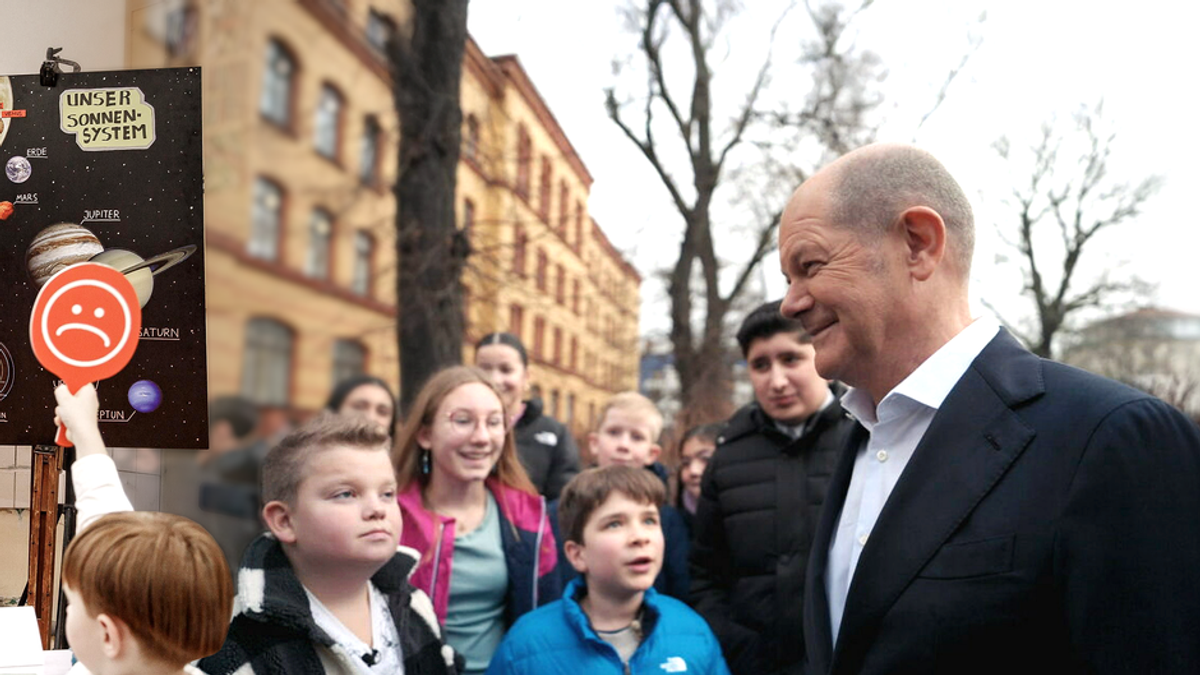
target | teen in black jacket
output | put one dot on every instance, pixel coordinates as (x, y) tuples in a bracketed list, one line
[(760, 498)]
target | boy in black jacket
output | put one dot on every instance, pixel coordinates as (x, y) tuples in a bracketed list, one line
[(760, 497)]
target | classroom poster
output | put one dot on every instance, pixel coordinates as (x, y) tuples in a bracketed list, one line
[(107, 167)]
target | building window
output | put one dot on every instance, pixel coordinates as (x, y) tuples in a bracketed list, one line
[(267, 368), (570, 416), (524, 159), (541, 269), (328, 122), (279, 75), (563, 208), (544, 189), (578, 225), (539, 336), (349, 360), (381, 30), (320, 230), (554, 403), (519, 243), (368, 156), (557, 355), (575, 296), (364, 253), (471, 145), (574, 352), (265, 220), (181, 29), (516, 320), (560, 285)]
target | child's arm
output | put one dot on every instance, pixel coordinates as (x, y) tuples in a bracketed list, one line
[(97, 486)]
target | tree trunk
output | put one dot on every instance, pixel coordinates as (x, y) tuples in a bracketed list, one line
[(427, 71)]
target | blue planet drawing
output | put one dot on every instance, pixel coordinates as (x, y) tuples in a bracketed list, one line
[(145, 396), (18, 169)]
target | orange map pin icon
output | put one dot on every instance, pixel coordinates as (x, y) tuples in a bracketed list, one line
[(85, 326)]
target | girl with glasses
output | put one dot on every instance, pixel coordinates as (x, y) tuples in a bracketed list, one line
[(487, 551)]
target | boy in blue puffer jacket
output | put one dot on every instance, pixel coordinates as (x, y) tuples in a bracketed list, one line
[(610, 619)]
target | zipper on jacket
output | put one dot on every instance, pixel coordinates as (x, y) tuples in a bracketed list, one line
[(437, 561), (537, 551)]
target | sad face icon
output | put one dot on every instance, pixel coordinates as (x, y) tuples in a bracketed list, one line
[(86, 323)]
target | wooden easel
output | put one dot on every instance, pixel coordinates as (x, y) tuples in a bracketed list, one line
[(43, 526)]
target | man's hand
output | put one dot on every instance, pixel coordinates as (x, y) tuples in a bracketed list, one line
[(79, 414)]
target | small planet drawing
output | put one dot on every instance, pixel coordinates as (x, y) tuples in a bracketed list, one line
[(6, 371), (58, 247), (145, 396), (6, 210), (18, 169)]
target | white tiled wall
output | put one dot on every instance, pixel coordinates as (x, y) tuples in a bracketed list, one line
[(139, 469)]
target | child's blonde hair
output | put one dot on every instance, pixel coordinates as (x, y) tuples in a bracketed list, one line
[(635, 404), (161, 574)]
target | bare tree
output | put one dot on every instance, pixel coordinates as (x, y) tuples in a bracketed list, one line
[(431, 251), (1067, 200), (694, 150)]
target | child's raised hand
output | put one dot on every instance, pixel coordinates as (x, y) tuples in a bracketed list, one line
[(78, 413)]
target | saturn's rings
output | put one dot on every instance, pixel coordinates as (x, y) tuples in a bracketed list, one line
[(168, 260)]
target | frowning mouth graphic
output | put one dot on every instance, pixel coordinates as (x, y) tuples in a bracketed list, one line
[(84, 327)]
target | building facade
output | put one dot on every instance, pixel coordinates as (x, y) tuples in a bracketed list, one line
[(300, 152)]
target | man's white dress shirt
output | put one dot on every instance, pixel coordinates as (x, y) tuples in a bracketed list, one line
[(896, 426)]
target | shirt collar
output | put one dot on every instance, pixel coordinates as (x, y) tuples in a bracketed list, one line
[(932, 381)]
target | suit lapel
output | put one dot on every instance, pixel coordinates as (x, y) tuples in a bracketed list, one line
[(818, 634), (972, 441)]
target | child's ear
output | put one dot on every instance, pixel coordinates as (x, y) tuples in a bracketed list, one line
[(594, 445), (655, 451), (574, 553), (278, 518), (116, 636)]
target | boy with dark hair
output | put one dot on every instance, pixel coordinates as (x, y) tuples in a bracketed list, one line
[(627, 433), (760, 497), (326, 590), (611, 619)]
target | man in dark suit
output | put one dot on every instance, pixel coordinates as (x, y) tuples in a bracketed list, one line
[(997, 512)]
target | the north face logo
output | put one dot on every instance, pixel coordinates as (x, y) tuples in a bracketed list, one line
[(546, 437), (674, 664)]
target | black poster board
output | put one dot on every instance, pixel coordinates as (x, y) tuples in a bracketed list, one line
[(107, 167)]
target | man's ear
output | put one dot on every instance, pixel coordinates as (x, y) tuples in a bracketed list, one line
[(116, 636), (655, 451), (278, 518), (924, 240), (574, 552)]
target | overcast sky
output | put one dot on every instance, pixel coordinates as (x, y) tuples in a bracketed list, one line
[(1037, 59)]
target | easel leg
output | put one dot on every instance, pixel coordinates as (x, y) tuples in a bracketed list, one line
[(43, 523)]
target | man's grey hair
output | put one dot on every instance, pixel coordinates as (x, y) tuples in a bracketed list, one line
[(872, 189)]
